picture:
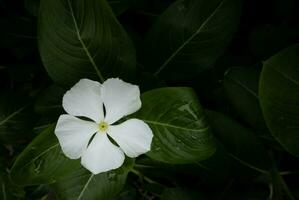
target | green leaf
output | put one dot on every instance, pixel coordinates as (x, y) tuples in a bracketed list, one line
[(16, 119), (83, 185), (8, 191), (83, 39), (189, 37), (119, 7), (181, 134), (241, 86), (181, 194), (241, 143), (43, 162), (49, 102), (279, 97)]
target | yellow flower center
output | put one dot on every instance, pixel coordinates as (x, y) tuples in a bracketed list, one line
[(103, 126)]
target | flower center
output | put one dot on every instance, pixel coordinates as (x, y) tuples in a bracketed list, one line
[(103, 126)]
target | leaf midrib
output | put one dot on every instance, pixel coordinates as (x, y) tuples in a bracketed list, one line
[(12, 115), (287, 77), (83, 44), (245, 87), (188, 40), (85, 186), (47, 150)]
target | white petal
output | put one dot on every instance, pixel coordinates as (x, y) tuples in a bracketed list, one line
[(133, 136), (101, 155), (74, 134), (120, 99), (84, 99)]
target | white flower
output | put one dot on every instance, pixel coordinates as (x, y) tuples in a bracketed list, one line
[(104, 104)]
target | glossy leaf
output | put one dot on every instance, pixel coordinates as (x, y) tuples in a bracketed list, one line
[(181, 134), (189, 37), (241, 86), (279, 97), (240, 142), (43, 162), (83, 39)]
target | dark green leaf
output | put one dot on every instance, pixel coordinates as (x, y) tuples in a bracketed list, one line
[(117, 6), (241, 143), (49, 102), (8, 191), (83, 39), (279, 97), (189, 37), (181, 134), (181, 194), (43, 162), (120, 6), (241, 86), (16, 119), (32, 6)]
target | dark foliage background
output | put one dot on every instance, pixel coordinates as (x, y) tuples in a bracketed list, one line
[(249, 162)]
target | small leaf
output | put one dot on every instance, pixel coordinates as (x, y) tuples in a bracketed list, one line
[(279, 97), (83, 39), (181, 134), (189, 37), (43, 162)]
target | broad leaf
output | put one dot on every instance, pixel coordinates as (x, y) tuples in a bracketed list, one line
[(279, 97), (43, 162), (189, 37), (240, 142), (83, 39), (241, 86), (181, 134)]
